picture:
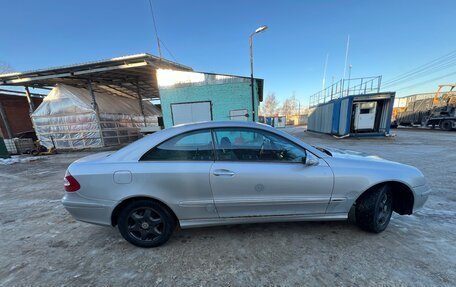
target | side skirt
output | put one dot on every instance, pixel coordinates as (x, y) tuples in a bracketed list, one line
[(191, 223)]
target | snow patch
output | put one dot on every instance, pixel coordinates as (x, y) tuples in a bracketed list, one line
[(19, 159)]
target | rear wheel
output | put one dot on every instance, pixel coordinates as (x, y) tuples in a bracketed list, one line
[(146, 223), (374, 209), (446, 125)]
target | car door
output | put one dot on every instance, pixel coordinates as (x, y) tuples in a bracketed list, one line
[(177, 172), (258, 173)]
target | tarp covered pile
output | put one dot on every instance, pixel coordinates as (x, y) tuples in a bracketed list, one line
[(68, 117)]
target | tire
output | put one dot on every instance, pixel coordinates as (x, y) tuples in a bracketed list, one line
[(446, 125), (394, 125), (146, 223), (374, 209)]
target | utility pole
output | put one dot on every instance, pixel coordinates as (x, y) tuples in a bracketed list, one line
[(258, 30), (324, 75), (29, 100), (346, 55)]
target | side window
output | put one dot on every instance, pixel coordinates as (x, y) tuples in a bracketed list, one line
[(238, 144), (193, 146)]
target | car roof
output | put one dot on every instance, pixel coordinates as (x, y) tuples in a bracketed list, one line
[(216, 124)]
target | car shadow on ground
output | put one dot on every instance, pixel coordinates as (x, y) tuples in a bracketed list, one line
[(249, 233)]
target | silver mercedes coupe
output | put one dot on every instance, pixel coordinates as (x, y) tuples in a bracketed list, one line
[(218, 173)]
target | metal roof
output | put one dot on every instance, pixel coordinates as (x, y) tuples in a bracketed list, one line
[(122, 76), (19, 93)]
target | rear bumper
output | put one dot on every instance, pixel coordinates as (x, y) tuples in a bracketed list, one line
[(421, 195), (88, 210)]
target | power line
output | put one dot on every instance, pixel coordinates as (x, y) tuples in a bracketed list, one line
[(424, 66), (430, 65), (423, 73), (155, 28), (171, 54), (427, 81)]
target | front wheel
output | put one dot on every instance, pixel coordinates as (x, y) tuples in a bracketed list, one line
[(146, 223), (374, 209)]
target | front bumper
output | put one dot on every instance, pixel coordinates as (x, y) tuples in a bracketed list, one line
[(421, 195), (88, 210)]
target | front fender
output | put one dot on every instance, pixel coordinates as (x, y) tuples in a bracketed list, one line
[(353, 177)]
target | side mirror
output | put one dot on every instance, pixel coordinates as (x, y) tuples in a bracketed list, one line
[(310, 161)]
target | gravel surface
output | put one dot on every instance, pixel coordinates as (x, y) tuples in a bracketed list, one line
[(41, 245)]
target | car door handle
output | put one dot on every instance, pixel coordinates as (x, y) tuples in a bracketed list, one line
[(223, 172)]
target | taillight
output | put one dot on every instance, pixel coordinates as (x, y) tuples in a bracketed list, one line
[(70, 183)]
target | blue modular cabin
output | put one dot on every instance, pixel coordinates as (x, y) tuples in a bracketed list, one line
[(356, 115)]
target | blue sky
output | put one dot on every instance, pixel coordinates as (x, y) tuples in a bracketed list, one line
[(386, 37)]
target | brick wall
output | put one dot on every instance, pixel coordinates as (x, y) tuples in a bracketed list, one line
[(17, 113), (223, 97)]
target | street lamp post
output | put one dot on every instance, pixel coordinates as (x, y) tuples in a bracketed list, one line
[(259, 30)]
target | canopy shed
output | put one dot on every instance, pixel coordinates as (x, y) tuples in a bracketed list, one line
[(122, 76), (131, 76), (68, 118), (96, 103)]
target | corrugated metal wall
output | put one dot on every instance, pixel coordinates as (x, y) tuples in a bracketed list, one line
[(320, 120), (385, 120), (344, 118)]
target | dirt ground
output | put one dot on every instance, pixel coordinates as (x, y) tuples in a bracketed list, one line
[(41, 245)]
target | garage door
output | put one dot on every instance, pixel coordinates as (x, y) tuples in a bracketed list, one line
[(191, 112)]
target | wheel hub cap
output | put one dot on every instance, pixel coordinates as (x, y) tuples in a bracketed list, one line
[(144, 225)]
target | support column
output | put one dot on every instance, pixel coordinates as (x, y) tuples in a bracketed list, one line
[(141, 105), (29, 99), (95, 108), (5, 121), (379, 84)]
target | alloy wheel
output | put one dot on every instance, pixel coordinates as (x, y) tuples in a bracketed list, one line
[(145, 224), (384, 209)]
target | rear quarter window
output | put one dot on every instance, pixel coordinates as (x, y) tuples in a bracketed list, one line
[(192, 146)]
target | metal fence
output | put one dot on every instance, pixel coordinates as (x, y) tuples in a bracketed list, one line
[(347, 87)]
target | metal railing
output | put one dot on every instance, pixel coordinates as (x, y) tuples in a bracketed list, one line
[(347, 87)]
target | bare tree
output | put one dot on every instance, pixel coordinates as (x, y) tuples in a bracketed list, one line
[(290, 106), (270, 106), (5, 68)]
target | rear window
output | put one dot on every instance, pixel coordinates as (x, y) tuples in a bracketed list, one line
[(193, 146)]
